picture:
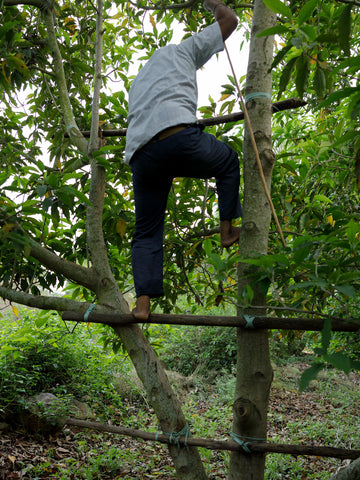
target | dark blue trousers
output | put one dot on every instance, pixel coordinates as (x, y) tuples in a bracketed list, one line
[(188, 153)]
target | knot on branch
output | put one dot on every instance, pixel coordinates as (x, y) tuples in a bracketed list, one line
[(249, 226), (268, 157), (246, 413)]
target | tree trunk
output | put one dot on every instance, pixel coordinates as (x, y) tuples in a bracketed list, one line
[(352, 472), (254, 372)]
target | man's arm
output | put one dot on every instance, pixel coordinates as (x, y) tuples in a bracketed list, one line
[(226, 18)]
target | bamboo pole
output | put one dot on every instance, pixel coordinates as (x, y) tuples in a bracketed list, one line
[(244, 321), (230, 445)]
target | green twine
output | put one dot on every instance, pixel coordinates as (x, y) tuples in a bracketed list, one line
[(174, 437), (253, 95), (88, 311), (249, 321), (244, 442), (69, 127)]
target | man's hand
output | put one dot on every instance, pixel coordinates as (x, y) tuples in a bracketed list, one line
[(226, 18), (210, 5)]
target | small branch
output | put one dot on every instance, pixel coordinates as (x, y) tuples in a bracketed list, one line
[(41, 301), (76, 137), (220, 444), (243, 321), (42, 4), (94, 135)]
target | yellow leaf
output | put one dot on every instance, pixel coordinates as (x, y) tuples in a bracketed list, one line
[(121, 227), (8, 227), (224, 97), (117, 15), (11, 458), (153, 23), (331, 220), (15, 311)]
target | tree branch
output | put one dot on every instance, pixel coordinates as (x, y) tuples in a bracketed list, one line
[(42, 302), (94, 135), (42, 4), (95, 235), (72, 271), (75, 135)]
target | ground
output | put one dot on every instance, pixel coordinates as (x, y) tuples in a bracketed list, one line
[(72, 454)]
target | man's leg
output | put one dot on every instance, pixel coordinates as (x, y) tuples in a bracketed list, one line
[(151, 190), (201, 155)]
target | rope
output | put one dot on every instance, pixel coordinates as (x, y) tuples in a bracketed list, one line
[(253, 95), (244, 442), (174, 437), (249, 321), (88, 311), (253, 141)]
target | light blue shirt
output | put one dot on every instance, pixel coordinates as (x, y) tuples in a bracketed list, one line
[(164, 93)]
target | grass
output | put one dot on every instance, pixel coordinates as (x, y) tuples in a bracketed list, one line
[(325, 414)]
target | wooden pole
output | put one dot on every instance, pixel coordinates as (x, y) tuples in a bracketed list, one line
[(270, 323), (207, 122), (230, 445)]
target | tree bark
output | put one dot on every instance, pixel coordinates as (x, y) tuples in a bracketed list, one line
[(352, 472), (254, 372), (167, 407)]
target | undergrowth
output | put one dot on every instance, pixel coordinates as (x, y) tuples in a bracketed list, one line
[(40, 353)]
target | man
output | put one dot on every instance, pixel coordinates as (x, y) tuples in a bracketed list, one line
[(163, 142)]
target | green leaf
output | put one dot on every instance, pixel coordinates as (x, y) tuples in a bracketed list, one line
[(278, 7), (306, 11), (339, 95), (347, 290), (280, 55), (344, 26), (41, 190), (302, 73), (326, 335), (310, 374), (277, 30), (319, 82), (339, 361), (285, 76)]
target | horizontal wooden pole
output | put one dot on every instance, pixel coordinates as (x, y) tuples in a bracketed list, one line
[(222, 445), (270, 323), (233, 117)]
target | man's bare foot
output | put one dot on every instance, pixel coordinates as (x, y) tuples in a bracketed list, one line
[(228, 233), (142, 309)]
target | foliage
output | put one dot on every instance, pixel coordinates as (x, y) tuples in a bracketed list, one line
[(38, 354)]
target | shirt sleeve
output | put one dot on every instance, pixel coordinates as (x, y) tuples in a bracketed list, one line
[(202, 46)]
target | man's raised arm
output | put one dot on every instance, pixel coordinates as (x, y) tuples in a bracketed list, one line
[(226, 18)]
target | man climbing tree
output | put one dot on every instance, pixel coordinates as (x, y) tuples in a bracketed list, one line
[(164, 141)]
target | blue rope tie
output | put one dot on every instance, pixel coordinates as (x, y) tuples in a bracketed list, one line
[(244, 442), (69, 127), (174, 437), (254, 95), (88, 311), (249, 321)]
